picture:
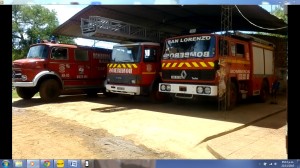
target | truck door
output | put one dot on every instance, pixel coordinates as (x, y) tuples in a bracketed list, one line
[(150, 64), (82, 64), (71, 64), (60, 62)]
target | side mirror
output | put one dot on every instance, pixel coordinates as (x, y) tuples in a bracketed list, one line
[(216, 64)]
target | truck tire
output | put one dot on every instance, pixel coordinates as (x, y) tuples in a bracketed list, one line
[(25, 93), (92, 92), (156, 96), (159, 97), (264, 93), (49, 90), (232, 98)]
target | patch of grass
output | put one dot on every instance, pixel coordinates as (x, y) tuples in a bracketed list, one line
[(15, 95)]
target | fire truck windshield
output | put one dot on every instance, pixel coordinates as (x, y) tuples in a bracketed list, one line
[(128, 53), (190, 47), (38, 51)]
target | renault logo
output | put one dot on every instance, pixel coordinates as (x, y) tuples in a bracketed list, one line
[(183, 74)]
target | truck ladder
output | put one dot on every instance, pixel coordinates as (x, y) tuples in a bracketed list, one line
[(101, 26)]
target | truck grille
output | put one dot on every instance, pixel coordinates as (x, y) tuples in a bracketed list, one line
[(121, 79), (16, 74), (189, 74)]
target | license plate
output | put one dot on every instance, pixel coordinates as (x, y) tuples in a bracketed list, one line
[(182, 88), (120, 88)]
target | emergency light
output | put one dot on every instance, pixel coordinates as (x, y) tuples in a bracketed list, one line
[(52, 39), (38, 40)]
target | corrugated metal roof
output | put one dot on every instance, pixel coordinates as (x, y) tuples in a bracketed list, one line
[(172, 19)]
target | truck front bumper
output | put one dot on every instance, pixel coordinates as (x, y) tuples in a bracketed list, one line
[(23, 84), (121, 89), (202, 90)]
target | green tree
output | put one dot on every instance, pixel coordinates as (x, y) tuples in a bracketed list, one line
[(29, 22), (279, 12)]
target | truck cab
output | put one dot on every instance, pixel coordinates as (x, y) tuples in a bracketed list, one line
[(227, 68), (134, 70), (53, 69)]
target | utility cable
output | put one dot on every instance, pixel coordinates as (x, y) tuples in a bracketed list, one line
[(257, 25)]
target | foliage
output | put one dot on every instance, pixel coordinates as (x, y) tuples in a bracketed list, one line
[(29, 22), (15, 95), (279, 12)]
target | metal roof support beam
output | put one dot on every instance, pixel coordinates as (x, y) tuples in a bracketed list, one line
[(226, 26), (226, 19)]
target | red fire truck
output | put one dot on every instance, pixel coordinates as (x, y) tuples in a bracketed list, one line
[(53, 69), (229, 68), (134, 70)]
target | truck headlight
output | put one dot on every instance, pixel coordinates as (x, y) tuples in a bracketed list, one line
[(24, 77), (168, 88), (207, 90), (163, 87), (199, 89)]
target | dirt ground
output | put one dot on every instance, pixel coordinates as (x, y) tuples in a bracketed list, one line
[(77, 127), (37, 135)]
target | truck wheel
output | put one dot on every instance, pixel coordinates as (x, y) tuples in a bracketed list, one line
[(264, 93), (49, 90), (25, 92), (92, 92), (158, 97), (232, 98)]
